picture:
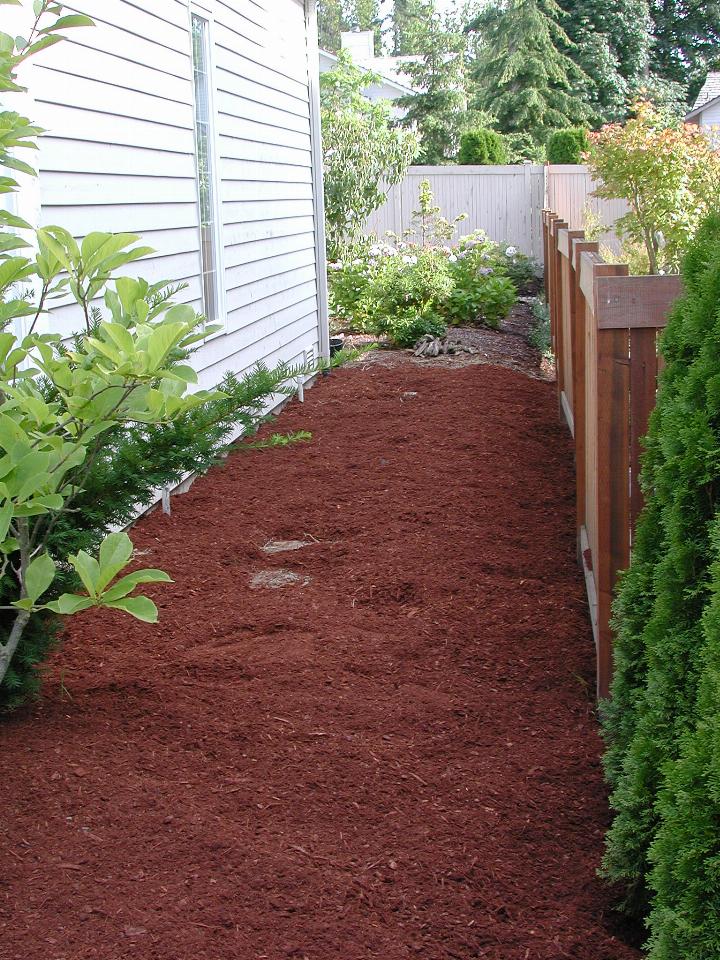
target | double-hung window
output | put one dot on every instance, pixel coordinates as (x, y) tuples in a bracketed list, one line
[(210, 248)]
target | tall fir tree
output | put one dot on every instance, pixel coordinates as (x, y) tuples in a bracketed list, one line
[(612, 50), (523, 74), (686, 40), (331, 22), (411, 21), (438, 111)]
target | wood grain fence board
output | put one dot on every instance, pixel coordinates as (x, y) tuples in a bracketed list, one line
[(557, 304), (604, 327), (567, 289), (613, 463), (622, 302), (579, 320), (608, 372), (549, 267)]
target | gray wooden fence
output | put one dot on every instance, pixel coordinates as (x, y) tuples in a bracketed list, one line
[(507, 202)]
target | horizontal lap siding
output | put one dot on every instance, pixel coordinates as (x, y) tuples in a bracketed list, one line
[(116, 101)]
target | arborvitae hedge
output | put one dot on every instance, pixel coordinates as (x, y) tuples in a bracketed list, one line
[(655, 727), (482, 147), (567, 146)]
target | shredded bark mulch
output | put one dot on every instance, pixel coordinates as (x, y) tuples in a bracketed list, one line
[(506, 347), (364, 728)]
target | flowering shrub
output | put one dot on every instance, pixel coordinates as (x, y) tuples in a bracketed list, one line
[(521, 269), (347, 282), (481, 290), (406, 294), (405, 287), (669, 174)]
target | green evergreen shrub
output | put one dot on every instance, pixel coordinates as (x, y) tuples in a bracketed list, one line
[(482, 147), (659, 662), (567, 146)]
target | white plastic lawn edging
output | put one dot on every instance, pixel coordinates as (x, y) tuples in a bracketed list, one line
[(163, 495)]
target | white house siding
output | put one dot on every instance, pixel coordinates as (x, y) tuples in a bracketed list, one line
[(710, 116), (117, 102)]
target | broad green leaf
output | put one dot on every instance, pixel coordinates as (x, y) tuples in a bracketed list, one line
[(11, 220), (69, 603), (115, 553), (14, 269), (161, 342), (6, 515), (119, 335), (38, 576), (72, 20), (127, 584), (142, 608), (88, 569)]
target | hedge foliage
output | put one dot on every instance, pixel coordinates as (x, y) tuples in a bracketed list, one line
[(482, 147), (662, 725), (567, 146)]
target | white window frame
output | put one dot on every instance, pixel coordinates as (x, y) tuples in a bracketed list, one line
[(204, 12)]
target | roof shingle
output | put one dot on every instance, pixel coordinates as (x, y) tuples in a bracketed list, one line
[(710, 90)]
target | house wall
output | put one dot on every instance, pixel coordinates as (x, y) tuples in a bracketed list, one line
[(117, 102), (710, 117)]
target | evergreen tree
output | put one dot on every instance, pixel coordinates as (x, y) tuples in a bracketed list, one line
[(662, 633), (686, 40), (411, 21), (611, 50), (523, 74), (331, 22), (439, 109)]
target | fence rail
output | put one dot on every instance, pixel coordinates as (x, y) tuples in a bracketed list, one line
[(505, 201), (604, 326)]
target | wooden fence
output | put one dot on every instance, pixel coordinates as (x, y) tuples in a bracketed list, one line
[(505, 201), (604, 328)]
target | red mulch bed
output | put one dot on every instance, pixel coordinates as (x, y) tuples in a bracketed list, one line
[(397, 759)]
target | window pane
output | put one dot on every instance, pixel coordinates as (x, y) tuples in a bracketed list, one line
[(203, 157)]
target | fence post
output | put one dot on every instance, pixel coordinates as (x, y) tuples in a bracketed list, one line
[(556, 306), (612, 456), (579, 319), (567, 324)]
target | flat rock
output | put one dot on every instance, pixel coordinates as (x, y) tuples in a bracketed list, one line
[(276, 579), (283, 546)]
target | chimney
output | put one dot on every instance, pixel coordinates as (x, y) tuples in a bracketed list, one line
[(359, 43)]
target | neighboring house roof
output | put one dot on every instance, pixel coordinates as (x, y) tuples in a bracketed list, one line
[(392, 83), (710, 91), (391, 68), (709, 94)]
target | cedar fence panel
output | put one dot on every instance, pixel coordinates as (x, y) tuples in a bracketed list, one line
[(604, 325), (505, 201)]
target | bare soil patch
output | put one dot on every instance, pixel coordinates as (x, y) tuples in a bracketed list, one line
[(395, 756), (506, 347)]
